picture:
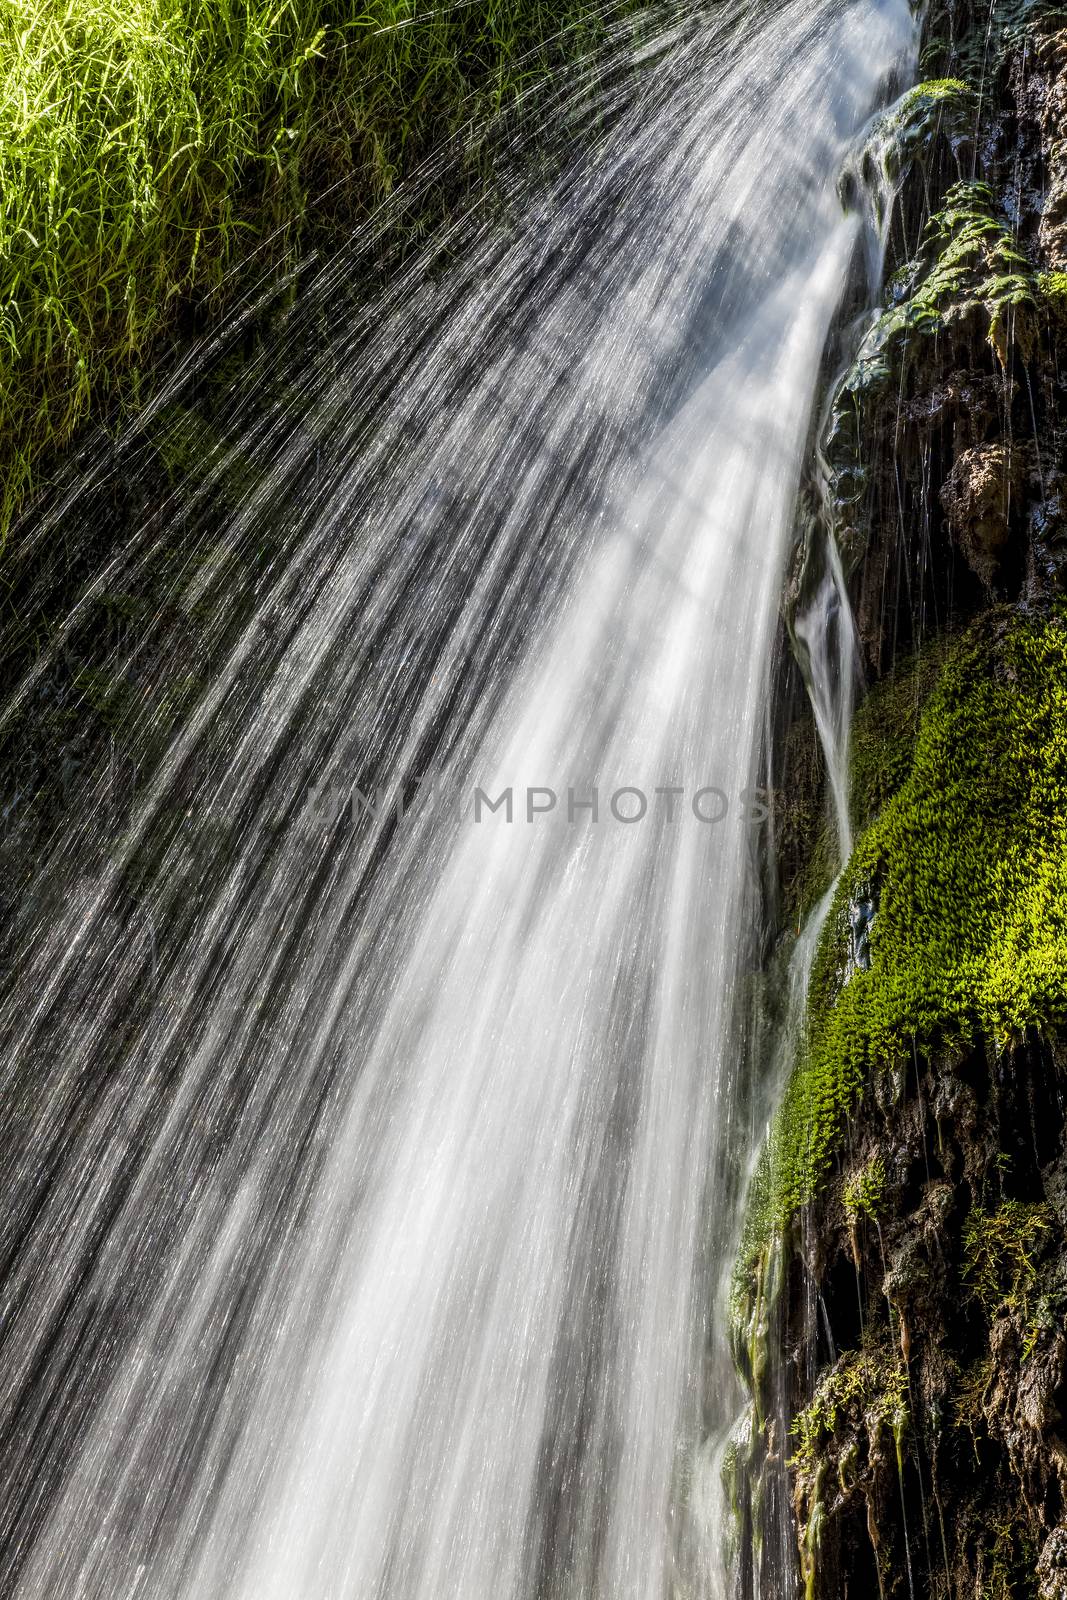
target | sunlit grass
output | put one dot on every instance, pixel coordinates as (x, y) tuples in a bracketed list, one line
[(147, 145)]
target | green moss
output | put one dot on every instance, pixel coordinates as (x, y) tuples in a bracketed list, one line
[(1007, 1562), (1052, 287), (754, 1295), (862, 1395), (923, 110), (998, 1255), (812, 1539), (865, 1387), (978, 52), (864, 1191), (907, 130), (935, 91), (966, 867), (968, 274), (968, 262), (885, 728), (969, 1389)]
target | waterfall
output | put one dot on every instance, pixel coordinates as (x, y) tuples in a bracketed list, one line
[(827, 648), (371, 1171)]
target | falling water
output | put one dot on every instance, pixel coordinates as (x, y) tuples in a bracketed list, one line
[(827, 647), (369, 1171)]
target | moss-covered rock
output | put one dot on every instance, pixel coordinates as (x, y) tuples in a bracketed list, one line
[(911, 1204), (963, 874), (968, 281)]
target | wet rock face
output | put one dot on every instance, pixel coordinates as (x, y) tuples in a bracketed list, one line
[(1052, 1567), (919, 1430), (977, 498), (926, 1321), (946, 453), (1050, 104)]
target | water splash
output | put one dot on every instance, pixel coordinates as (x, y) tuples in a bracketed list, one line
[(366, 1208)]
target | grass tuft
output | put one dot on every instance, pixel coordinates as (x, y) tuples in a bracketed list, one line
[(147, 145)]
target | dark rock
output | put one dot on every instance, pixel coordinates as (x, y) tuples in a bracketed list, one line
[(1052, 1567), (923, 1330), (1051, 84), (978, 498)]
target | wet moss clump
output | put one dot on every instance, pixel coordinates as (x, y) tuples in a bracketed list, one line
[(882, 741), (1053, 290), (1001, 1249), (864, 1191), (965, 869), (857, 1406), (870, 1383), (979, 50), (969, 281), (920, 114)]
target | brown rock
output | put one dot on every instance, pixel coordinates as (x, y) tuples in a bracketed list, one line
[(977, 498), (1052, 1567), (1052, 59)]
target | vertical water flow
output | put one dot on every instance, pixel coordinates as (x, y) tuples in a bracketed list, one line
[(380, 1266), (824, 628), (828, 650), (825, 635)]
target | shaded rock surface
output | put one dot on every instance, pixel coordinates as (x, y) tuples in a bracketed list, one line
[(908, 1434)]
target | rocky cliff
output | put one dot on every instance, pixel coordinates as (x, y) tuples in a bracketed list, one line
[(901, 1299)]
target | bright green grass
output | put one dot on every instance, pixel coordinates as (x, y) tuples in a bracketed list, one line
[(966, 862), (147, 145)]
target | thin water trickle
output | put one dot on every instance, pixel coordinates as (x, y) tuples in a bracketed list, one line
[(363, 1242)]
